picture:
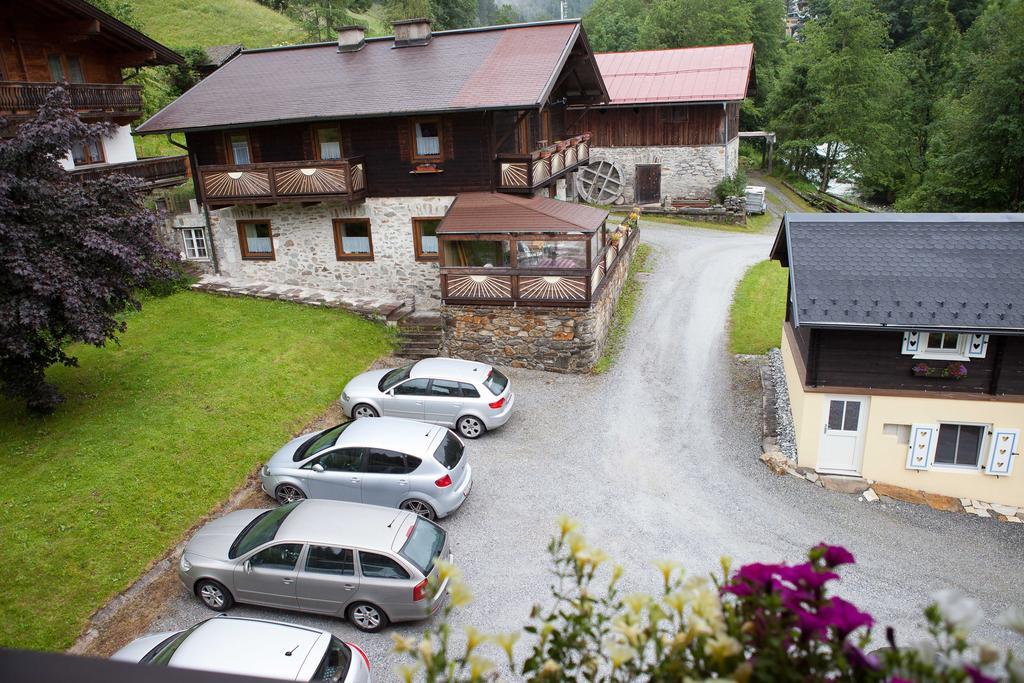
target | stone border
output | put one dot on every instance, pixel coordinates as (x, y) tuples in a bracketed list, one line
[(779, 454)]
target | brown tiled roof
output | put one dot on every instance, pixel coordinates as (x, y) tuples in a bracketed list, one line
[(501, 67), (476, 212)]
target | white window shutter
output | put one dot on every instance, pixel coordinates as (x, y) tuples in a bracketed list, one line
[(923, 439), (1004, 447), (912, 342), (977, 345)]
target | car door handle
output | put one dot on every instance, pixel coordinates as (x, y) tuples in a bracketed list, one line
[(349, 586), (403, 482), (419, 403), (355, 480), (287, 580)]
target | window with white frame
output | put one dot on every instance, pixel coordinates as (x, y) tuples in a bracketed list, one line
[(944, 345), (195, 244), (959, 444)]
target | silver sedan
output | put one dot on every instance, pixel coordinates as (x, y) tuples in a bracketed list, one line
[(388, 461), (469, 397), (370, 564)]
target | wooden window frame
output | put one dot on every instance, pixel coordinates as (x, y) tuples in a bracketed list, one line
[(336, 230), (430, 158), (63, 67), (316, 141), (246, 255), (420, 254), (230, 151), (81, 68), (99, 145)]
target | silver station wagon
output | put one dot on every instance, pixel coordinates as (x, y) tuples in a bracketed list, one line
[(369, 564), (253, 647), (459, 394), (391, 462)]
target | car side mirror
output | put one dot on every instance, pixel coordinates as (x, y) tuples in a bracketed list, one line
[(317, 467)]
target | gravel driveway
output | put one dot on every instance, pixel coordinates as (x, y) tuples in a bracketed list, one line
[(658, 459)]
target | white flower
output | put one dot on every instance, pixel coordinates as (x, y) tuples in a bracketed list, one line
[(956, 609), (1013, 618)]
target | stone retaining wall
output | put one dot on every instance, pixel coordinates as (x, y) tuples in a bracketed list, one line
[(537, 337)]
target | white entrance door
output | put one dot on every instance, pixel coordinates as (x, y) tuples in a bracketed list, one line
[(842, 442)]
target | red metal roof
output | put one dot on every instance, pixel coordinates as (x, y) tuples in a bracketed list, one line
[(477, 212), (694, 74), (469, 69)]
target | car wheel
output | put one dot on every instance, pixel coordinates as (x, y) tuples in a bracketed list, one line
[(471, 427), (288, 493), (367, 617), (420, 508), (364, 410), (214, 595)]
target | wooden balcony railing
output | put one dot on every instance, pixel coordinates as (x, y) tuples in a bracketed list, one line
[(528, 172), (573, 287), (153, 171), (292, 181), (21, 100)]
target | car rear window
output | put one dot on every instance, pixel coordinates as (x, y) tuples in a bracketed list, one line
[(336, 662), (424, 544), (394, 377), (261, 530), (449, 452), (496, 382), (319, 442)]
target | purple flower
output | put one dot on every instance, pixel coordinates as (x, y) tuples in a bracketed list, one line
[(806, 576), (977, 676), (859, 659), (844, 617), (836, 555)]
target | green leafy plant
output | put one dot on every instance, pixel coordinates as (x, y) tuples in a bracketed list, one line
[(732, 186)]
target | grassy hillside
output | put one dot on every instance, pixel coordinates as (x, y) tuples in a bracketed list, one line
[(178, 23)]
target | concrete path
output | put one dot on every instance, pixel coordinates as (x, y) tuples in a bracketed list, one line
[(658, 459)]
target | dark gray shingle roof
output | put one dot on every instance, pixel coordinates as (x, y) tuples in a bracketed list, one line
[(907, 271)]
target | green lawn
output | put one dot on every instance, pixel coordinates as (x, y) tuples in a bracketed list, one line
[(154, 433), (625, 309), (185, 23), (758, 307)]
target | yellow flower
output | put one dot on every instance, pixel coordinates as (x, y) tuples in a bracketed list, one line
[(551, 667), (460, 595), (402, 644), (478, 666), (721, 647), (726, 563), (473, 638), (635, 602), (666, 567), (577, 544), (407, 671), (567, 525), (447, 570), (619, 653), (616, 573), (506, 641), (630, 630), (425, 649)]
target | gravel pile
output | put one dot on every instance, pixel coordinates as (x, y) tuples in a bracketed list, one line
[(783, 413)]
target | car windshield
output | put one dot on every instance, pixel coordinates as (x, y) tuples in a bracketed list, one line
[(496, 382), (449, 453), (335, 664), (261, 530), (423, 545), (394, 377), (162, 653), (324, 439)]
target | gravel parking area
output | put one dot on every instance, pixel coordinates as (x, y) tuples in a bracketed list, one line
[(658, 458)]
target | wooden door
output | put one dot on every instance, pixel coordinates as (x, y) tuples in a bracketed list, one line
[(648, 183)]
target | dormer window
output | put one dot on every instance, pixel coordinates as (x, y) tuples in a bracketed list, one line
[(428, 140)]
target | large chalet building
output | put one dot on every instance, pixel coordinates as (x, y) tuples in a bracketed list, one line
[(903, 348), (45, 44), (337, 166)]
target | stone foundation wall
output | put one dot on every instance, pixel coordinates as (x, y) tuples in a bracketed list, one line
[(537, 337), (304, 253), (685, 171)]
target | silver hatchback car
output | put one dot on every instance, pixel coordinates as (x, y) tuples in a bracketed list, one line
[(253, 647), (391, 462), (370, 564), (459, 394)]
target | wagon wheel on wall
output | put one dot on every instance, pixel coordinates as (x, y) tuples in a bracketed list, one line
[(601, 182)]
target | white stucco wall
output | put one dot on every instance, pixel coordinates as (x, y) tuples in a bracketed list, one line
[(117, 148), (305, 253)]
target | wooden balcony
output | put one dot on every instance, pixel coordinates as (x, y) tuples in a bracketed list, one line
[(286, 181), (529, 172), (567, 287), (21, 100), (153, 171)]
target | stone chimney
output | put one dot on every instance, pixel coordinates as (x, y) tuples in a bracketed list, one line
[(351, 38), (409, 32)]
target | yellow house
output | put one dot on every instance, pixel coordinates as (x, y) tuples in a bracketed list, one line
[(903, 348)]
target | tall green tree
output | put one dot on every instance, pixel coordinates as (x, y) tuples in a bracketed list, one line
[(975, 158), (844, 76), (689, 23), (445, 14), (614, 25)]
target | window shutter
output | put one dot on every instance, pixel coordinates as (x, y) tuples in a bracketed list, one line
[(404, 133), (977, 345), (449, 139), (1004, 447), (923, 439), (912, 342)]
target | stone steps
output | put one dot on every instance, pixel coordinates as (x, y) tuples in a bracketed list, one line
[(420, 335)]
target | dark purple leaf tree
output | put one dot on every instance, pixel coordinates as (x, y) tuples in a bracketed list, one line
[(74, 252)]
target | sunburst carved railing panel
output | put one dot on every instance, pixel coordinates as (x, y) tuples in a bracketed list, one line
[(358, 178), (570, 156), (309, 181), (541, 169), (557, 162), (237, 183), (513, 175), (553, 287), (479, 287), (583, 151)]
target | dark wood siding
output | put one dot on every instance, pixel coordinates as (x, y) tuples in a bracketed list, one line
[(1011, 373), (696, 124)]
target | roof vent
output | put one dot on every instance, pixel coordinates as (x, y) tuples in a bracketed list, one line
[(410, 32), (351, 38)]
